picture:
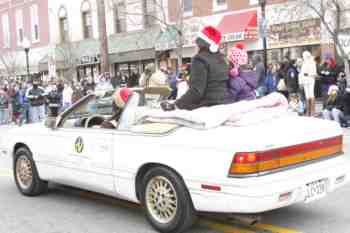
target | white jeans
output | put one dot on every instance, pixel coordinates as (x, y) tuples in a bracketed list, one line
[(309, 88), (335, 115)]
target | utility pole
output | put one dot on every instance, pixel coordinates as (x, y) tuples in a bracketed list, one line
[(262, 4), (103, 38)]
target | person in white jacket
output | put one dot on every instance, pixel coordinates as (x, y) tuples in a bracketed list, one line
[(152, 77), (307, 76), (67, 96)]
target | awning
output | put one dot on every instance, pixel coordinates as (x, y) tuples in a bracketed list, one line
[(167, 40), (239, 26), (43, 63), (132, 56), (70, 54), (123, 47), (133, 41)]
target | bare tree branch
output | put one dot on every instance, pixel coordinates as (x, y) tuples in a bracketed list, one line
[(333, 25), (9, 61), (161, 17)]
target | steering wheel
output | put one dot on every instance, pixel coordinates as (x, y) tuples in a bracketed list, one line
[(95, 120)]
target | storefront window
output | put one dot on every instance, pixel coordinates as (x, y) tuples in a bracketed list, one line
[(63, 24), (87, 25), (87, 20), (219, 5), (187, 5), (292, 53), (119, 16), (149, 9), (64, 29)]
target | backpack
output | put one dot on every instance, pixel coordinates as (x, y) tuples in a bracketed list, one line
[(16, 104)]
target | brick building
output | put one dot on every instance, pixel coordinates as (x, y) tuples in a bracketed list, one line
[(292, 28), (20, 19), (131, 30)]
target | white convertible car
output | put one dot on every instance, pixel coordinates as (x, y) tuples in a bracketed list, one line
[(176, 171)]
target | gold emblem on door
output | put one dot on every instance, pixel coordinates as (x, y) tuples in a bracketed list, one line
[(79, 145)]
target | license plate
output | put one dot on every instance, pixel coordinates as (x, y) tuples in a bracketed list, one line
[(316, 190)]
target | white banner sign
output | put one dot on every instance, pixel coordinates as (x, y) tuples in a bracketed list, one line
[(232, 37), (345, 43)]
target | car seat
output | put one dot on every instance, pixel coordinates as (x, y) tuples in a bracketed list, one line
[(129, 116)]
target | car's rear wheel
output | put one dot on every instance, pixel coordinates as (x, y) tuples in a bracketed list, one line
[(166, 201), (26, 175)]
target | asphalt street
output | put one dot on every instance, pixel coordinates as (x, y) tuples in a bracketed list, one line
[(67, 210)]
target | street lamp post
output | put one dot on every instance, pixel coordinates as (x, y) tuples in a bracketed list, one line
[(26, 46), (262, 4)]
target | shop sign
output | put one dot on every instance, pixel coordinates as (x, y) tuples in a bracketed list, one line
[(89, 59), (234, 36), (300, 33)]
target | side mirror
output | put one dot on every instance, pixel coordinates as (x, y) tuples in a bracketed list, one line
[(50, 122)]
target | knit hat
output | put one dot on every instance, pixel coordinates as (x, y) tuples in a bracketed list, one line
[(333, 88), (211, 37), (121, 97), (238, 55), (331, 62)]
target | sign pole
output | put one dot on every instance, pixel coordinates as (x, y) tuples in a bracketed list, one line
[(264, 29)]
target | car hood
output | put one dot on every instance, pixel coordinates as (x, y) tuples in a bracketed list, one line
[(27, 129), (4, 133), (278, 133)]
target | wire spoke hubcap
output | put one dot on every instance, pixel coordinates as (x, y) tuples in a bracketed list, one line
[(161, 199), (24, 172)]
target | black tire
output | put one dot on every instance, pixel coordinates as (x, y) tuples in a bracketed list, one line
[(185, 214), (37, 185)]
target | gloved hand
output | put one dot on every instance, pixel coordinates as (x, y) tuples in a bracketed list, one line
[(167, 106)]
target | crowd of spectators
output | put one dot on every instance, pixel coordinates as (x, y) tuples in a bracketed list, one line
[(209, 80)]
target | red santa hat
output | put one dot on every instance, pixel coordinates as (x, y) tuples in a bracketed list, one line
[(331, 62), (121, 97), (238, 55), (211, 36)]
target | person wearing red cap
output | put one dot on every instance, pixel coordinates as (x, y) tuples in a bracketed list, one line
[(120, 98), (328, 75), (209, 75)]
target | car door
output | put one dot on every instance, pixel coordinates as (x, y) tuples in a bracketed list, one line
[(85, 157)]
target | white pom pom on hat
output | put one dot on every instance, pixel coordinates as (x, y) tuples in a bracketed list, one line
[(121, 96), (212, 36)]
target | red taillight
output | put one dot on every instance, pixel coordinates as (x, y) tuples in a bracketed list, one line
[(245, 158), (254, 162), (211, 187)]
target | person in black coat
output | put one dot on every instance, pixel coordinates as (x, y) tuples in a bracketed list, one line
[(333, 106), (54, 99), (328, 75), (209, 75), (292, 78)]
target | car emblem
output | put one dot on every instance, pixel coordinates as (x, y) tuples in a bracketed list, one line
[(79, 145)]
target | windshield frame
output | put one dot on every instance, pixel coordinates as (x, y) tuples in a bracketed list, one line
[(61, 119)]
